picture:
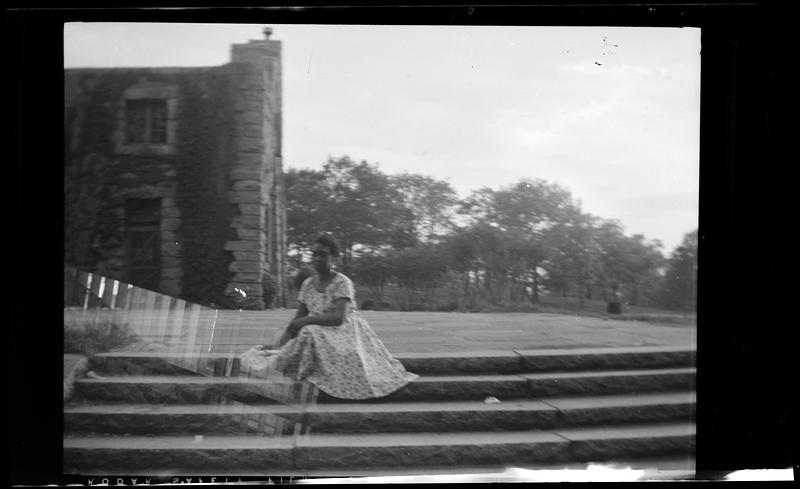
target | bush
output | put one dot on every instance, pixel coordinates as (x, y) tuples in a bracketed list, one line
[(367, 305), (449, 307), (270, 287), (683, 320), (90, 339), (520, 307)]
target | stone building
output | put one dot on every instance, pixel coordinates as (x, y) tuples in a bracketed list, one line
[(173, 176)]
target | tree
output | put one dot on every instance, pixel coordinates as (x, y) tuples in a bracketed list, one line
[(526, 256), (418, 271), (680, 291), (644, 260), (431, 201), (611, 268), (375, 270), (460, 259), (572, 263), (306, 209), (529, 206), (630, 262), (510, 243), (493, 260), (354, 202), (525, 213), (476, 259)]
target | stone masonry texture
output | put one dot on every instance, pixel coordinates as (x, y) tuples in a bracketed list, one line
[(216, 181)]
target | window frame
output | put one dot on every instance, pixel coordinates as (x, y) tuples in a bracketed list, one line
[(147, 92), (150, 109)]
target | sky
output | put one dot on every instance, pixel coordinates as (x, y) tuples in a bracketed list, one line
[(610, 113)]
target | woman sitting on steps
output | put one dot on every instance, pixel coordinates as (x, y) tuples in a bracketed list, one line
[(328, 343)]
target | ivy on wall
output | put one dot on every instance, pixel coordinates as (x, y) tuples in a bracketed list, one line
[(91, 224), (96, 178), (205, 147)]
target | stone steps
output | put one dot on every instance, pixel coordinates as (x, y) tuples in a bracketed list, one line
[(447, 416), (503, 362), (178, 413), (232, 454), (196, 389)]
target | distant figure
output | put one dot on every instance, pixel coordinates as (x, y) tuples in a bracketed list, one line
[(614, 306), (328, 343)]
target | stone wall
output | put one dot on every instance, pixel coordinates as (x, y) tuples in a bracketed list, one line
[(218, 175)]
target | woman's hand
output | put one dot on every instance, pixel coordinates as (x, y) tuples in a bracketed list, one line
[(296, 325), (288, 334)]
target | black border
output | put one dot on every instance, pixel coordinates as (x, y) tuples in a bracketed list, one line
[(745, 378)]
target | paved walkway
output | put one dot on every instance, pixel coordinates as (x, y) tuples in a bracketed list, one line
[(424, 332)]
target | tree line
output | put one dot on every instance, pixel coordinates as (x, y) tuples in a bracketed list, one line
[(497, 247)]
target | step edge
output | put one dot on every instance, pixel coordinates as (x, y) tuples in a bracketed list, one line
[(642, 430), (672, 398), (600, 351), (164, 379)]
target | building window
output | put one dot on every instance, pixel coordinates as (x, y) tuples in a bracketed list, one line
[(147, 117), (146, 121)]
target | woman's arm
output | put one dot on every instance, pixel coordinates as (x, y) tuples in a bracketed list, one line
[(302, 311), (329, 319), (290, 332), (302, 319)]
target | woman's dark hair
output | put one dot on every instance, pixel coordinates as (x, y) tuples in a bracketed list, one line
[(327, 240)]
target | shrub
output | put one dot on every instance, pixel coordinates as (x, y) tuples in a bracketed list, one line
[(522, 307), (367, 305), (270, 287), (89, 339), (659, 318), (448, 307)]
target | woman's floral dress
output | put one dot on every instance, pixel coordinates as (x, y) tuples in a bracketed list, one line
[(348, 361)]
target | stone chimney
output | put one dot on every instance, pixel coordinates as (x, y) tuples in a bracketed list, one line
[(256, 175)]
